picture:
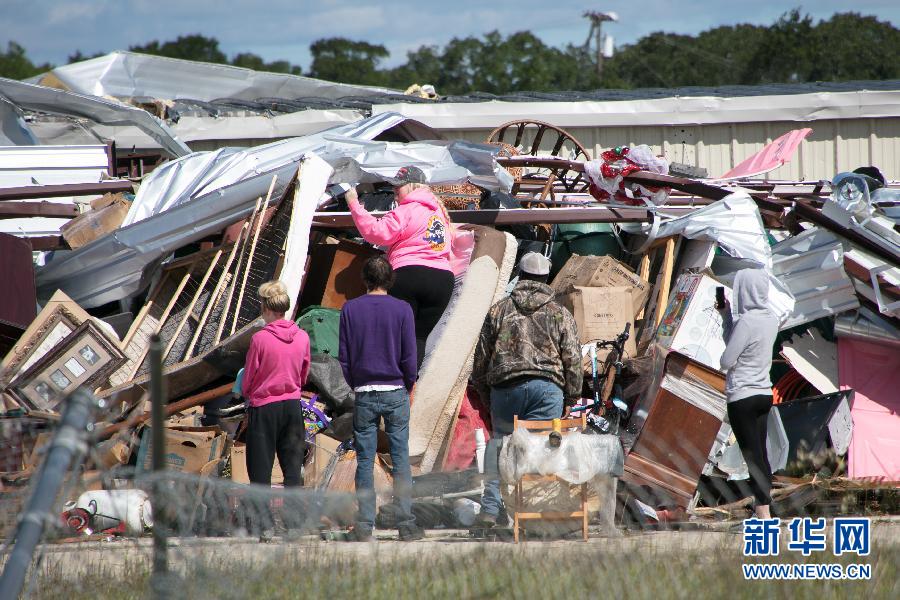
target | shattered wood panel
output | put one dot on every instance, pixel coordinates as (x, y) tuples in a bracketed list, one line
[(267, 260), (196, 266), (137, 341), (186, 377)]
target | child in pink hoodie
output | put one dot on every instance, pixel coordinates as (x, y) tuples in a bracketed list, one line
[(418, 235), (275, 371)]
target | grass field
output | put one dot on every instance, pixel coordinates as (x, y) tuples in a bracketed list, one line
[(682, 567)]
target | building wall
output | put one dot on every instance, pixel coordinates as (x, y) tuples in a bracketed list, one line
[(832, 147)]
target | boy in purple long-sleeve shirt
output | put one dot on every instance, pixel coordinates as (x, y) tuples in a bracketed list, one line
[(378, 356)]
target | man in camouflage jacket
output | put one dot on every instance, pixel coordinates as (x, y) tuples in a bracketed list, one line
[(529, 357)]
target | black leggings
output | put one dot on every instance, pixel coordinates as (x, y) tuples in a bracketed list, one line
[(749, 421), (428, 292)]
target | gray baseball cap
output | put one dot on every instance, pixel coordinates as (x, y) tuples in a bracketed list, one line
[(534, 263), (410, 174)]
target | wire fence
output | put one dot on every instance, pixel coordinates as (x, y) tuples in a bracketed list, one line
[(669, 526)]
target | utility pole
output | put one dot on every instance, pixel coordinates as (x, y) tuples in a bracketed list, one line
[(597, 19)]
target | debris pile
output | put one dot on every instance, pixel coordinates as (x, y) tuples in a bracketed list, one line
[(107, 249)]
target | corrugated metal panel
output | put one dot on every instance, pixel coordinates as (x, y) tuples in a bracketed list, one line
[(49, 165), (811, 266), (832, 147)]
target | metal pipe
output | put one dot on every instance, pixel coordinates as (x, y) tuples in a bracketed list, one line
[(68, 442), (158, 400)]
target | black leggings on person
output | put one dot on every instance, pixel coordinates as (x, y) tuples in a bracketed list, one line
[(428, 292), (749, 421)]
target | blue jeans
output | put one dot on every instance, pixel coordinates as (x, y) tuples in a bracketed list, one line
[(393, 407), (531, 400)]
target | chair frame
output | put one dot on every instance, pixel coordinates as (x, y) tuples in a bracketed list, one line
[(547, 426)]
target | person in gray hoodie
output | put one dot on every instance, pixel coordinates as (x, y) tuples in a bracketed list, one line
[(747, 361)]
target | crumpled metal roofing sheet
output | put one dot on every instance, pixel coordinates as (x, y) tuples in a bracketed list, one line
[(129, 74), (811, 265), (109, 112), (199, 195)]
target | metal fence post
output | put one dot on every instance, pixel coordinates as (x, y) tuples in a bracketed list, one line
[(68, 443), (158, 401)]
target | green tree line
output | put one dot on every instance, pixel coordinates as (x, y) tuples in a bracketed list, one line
[(847, 46)]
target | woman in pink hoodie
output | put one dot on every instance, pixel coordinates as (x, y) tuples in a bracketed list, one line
[(418, 236), (275, 371)]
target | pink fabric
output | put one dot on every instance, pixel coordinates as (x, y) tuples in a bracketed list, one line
[(461, 253), (417, 232), (873, 371), (472, 415), (771, 157), (277, 364)]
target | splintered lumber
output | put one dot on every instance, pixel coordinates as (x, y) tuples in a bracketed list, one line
[(217, 292), (170, 409), (190, 308)]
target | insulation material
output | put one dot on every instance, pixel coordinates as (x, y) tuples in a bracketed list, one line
[(441, 383), (312, 177), (774, 155), (873, 371), (815, 359)]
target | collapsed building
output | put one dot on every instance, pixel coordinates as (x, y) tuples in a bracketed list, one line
[(114, 230)]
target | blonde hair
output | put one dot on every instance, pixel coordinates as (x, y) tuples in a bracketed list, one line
[(417, 186), (274, 296)]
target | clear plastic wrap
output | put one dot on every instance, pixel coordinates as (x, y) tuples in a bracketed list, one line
[(578, 459)]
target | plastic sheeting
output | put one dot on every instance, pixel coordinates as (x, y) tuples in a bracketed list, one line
[(578, 459), (26, 96), (735, 224)]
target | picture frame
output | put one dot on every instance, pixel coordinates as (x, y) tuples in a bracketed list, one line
[(84, 358), (57, 320)]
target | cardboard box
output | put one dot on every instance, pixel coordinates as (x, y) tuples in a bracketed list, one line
[(187, 418), (602, 272), (691, 324), (187, 450), (112, 452), (95, 223), (323, 448), (601, 314), (239, 466)]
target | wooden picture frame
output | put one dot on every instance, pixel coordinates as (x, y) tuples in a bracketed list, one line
[(85, 358), (60, 317)]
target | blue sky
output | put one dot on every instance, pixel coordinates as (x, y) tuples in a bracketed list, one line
[(50, 30)]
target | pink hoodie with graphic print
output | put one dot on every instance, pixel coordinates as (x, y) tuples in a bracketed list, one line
[(417, 232)]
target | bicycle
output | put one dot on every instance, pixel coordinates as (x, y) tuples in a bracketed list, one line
[(608, 408)]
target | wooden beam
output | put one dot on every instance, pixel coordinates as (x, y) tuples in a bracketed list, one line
[(666, 275), (194, 300)]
